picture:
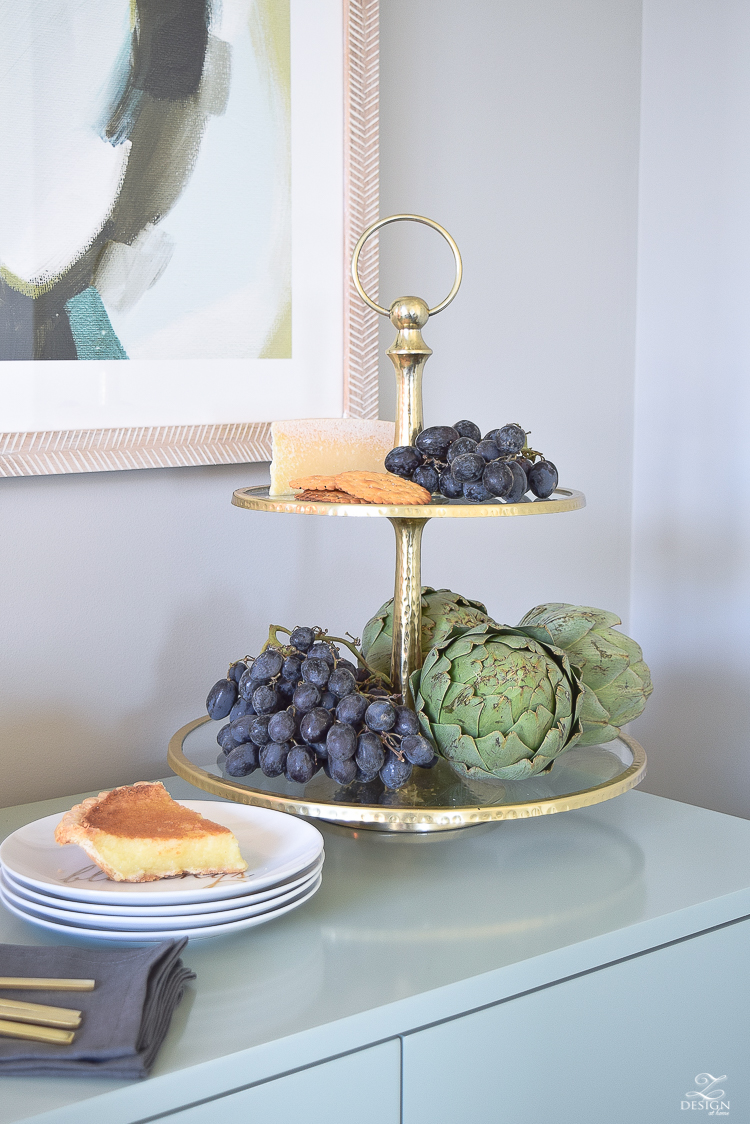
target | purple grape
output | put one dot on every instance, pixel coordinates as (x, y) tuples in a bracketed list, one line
[(468, 468), (417, 749), (242, 760), (265, 700), (475, 492), (237, 670), (370, 755), (225, 735), (341, 682), (427, 477), (341, 742), (315, 725), (402, 460), (305, 697), (322, 651), (460, 448), (380, 716), (436, 440), (468, 429), (281, 726), (510, 439), (291, 669), (249, 683), (328, 700), (221, 699), (451, 488), (488, 450), (259, 730), (302, 638), (316, 671), (285, 690), (268, 664), (272, 758), (352, 709), (498, 478), (240, 708), (241, 728), (342, 772), (543, 479), (300, 765), (520, 483), (406, 721), (395, 772)]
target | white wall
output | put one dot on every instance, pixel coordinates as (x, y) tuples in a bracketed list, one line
[(125, 595), (515, 125), (691, 531)]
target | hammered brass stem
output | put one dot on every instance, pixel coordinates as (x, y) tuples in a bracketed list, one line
[(409, 353), (406, 653)]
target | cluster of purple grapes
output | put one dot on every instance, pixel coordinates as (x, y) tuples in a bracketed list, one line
[(296, 709), (457, 462)]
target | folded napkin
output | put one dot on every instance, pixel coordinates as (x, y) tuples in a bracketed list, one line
[(125, 1018)]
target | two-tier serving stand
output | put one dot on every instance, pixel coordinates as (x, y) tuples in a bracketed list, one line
[(435, 799)]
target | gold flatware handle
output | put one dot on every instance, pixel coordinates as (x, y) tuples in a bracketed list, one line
[(40, 1013), (34, 983), (10, 1029)]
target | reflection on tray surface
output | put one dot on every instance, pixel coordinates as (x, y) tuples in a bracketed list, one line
[(577, 769)]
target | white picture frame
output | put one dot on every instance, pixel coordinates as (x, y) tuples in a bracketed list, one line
[(58, 417)]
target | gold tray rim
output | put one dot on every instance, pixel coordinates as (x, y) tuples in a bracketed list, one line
[(401, 819), (254, 499)]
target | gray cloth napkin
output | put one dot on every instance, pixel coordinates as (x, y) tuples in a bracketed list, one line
[(125, 1018)]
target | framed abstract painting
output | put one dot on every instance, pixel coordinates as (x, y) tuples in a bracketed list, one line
[(181, 185)]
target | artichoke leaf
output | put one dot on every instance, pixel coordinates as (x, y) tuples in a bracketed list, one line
[(603, 661), (497, 715), (459, 748), (532, 727), (624, 699)]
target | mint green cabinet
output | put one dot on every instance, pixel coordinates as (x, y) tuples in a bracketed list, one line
[(362, 1087), (623, 1044)]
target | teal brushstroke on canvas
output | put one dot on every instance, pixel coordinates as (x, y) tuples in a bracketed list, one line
[(93, 334)]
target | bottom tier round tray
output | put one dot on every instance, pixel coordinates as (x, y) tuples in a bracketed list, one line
[(434, 800)]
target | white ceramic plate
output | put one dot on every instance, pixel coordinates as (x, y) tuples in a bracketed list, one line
[(175, 912), (145, 923), (274, 845), (163, 934)]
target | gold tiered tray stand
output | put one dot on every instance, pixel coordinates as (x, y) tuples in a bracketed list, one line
[(435, 799)]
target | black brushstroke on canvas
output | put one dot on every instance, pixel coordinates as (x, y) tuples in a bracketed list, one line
[(160, 111)]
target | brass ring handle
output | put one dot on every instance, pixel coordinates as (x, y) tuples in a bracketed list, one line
[(411, 218)]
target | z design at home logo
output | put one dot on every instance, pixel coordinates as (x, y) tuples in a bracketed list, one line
[(707, 1096)]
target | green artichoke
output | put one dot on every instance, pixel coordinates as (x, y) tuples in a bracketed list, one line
[(497, 703), (616, 681), (442, 611)]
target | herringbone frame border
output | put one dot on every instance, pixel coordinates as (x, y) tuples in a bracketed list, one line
[(110, 450)]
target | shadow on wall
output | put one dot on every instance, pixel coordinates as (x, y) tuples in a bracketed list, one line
[(696, 736)]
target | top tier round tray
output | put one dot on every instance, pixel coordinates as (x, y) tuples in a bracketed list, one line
[(409, 354)]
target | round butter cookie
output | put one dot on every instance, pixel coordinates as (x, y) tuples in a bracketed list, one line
[(381, 487), (320, 496)]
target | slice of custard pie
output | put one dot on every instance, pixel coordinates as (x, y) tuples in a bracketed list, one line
[(138, 833)]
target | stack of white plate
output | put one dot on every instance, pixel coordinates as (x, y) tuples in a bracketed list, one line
[(60, 889)]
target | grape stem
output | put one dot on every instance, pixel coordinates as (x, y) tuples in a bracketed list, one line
[(320, 634)]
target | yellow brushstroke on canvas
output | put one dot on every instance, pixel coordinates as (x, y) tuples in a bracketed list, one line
[(270, 34)]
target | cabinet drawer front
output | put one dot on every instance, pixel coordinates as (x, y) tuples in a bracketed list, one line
[(365, 1087), (623, 1044)]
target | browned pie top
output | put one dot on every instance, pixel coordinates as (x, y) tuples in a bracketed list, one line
[(149, 812)]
